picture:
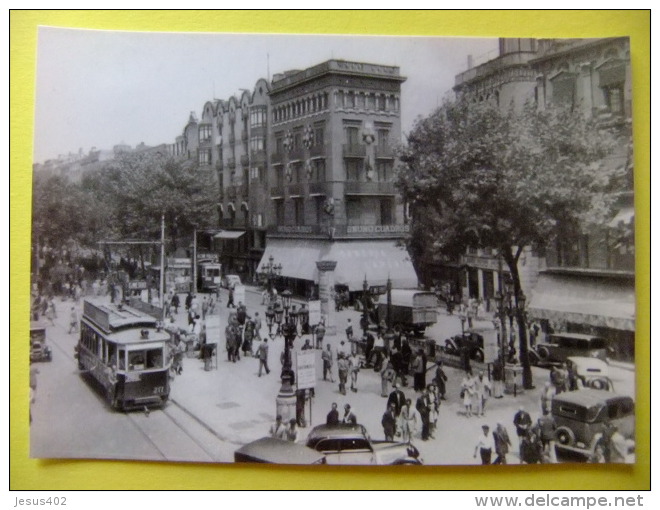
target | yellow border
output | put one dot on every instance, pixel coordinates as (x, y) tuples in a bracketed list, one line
[(70, 474)]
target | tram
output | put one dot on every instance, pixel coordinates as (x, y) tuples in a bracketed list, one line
[(125, 351)]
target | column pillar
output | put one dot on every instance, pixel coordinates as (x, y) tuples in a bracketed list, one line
[(327, 293)]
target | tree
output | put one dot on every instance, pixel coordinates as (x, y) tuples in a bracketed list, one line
[(479, 176)]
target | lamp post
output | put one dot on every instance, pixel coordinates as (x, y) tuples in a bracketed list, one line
[(270, 271), (364, 322), (286, 399)]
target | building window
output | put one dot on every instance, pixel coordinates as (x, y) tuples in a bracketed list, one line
[(352, 136), (258, 116), (205, 133), (350, 100), (279, 144), (360, 101), (384, 170), (319, 136), (319, 170), (383, 137), (279, 176), (257, 143), (297, 139), (299, 211), (353, 169), (279, 212), (381, 102), (614, 98), (386, 211), (204, 156), (318, 209)]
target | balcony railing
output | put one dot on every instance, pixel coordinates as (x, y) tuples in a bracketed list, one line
[(354, 151), (243, 190), (277, 191), (317, 150), (384, 152), (320, 188), (258, 157), (369, 188), (245, 160), (295, 189), (296, 154), (276, 157), (231, 192)]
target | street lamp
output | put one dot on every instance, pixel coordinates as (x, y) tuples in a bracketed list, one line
[(364, 322), (286, 399), (270, 271)]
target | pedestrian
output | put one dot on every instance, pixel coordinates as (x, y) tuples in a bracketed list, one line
[(423, 406), (230, 299), (354, 370), (523, 422), (559, 379), (320, 334), (231, 337), (257, 326), (482, 390), (342, 349), (73, 320), (419, 373), (327, 358), (349, 416), (306, 346), (440, 380), (262, 354), (406, 354), (485, 445), (409, 420), (278, 429), (548, 393), (398, 398), (389, 423), (291, 433), (50, 313), (547, 426), (333, 416), (51, 307), (435, 408), (205, 308), (343, 367), (377, 352), (349, 337), (387, 376), (241, 313), (498, 379), (502, 443), (467, 393)]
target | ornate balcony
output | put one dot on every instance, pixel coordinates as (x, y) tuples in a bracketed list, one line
[(369, 188), (316, 151), (245, 160), (277, 191), (354, 151), (231, 163), (384, 152), (320, 188), (295, 189), (276, 158)]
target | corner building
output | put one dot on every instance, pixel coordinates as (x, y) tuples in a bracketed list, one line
[(333, 131)]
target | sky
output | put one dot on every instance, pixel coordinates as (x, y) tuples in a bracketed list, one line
[(100, 88)]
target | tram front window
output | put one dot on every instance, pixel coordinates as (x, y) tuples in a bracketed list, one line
[(136, 360), (155, 358)]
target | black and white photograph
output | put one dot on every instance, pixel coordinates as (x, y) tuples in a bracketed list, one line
[(336, 250)]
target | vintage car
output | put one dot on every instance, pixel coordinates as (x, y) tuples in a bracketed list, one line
[(412, 310), (590, 373), (39, 351), (270, 450), (351, 444), (472, 340), (560, 346), (582, 417)]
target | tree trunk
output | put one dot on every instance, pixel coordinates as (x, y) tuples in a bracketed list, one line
[(512, 261)]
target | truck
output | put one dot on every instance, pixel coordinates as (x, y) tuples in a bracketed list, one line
[(412, 310), (209, 276)]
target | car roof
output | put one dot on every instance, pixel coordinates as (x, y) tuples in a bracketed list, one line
[(585, 362), (580, 336), (588, 397), (279, 451), (337, 431)]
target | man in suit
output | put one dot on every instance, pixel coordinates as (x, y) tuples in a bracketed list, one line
[(349, 416), (396, 398), (333, 415), (389, 423), (423, 406)]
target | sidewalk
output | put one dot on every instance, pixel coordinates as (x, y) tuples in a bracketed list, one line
[(239, 407)]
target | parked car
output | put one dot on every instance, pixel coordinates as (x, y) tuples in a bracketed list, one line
[(270, 450), (590, 373), (351, 444), (230, 281), (582, 417), (39, 351), (472, 339), (560, 346)]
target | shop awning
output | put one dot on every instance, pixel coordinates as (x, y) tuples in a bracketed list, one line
[(377, 260), (595, 301), (297, 256), (229, 234)]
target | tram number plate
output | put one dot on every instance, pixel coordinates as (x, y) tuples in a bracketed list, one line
[(159, 390)]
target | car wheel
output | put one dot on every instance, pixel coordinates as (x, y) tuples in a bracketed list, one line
[(597, 384), (565, 436), (544, 353), (479, 356)]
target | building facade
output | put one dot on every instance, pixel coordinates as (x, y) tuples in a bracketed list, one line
[(305, 168), (583, 281)]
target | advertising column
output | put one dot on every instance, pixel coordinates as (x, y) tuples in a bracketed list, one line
[(327, 293)]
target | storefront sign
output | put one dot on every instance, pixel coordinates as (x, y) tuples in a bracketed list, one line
[(306, 369), (371, 229)]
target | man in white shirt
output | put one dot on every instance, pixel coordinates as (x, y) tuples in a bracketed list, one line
[(485, 445)]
